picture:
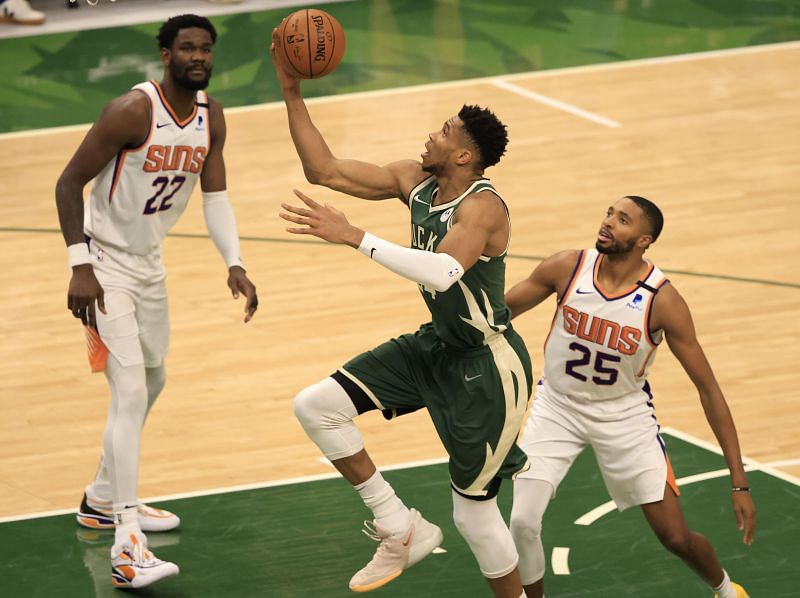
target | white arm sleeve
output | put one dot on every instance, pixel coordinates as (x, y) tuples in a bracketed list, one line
[(221, 225), (437, 271)]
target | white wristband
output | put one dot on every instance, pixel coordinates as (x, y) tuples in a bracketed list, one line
[(436, 271), (78, 254)]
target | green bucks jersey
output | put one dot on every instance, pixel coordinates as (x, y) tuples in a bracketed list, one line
[(474, 308)]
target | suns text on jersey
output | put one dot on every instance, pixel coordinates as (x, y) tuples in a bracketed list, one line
[(595, 329), (174, 157)]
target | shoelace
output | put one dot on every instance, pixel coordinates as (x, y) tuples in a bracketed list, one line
[(371, 532), (140, 555)]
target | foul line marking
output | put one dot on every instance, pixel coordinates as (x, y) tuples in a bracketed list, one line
[(658, 60), (558, 104)]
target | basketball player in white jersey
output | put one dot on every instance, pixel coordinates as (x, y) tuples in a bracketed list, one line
[(145, 154), (613, 309)]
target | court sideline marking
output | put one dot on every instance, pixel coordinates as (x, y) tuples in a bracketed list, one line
[(425, 87), (511, 256), (751, 464)]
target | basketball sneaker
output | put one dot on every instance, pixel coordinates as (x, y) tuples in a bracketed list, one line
[(134, 566), (396, 552), (19, 12), (97, 514), (740, 593)]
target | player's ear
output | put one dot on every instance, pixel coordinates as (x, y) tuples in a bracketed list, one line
[(644, 242), (164, 54), (465, 156)]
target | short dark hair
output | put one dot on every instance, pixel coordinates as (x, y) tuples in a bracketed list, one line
[(487, 133), (169, 30), (651, 213)]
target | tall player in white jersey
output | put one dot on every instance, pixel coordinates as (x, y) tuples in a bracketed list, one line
[(613, 308), (145, 154)]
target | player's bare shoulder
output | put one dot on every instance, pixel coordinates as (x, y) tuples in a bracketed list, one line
[(485, 206), (669, 309), (557, 269), (408, 174), (125, 120)]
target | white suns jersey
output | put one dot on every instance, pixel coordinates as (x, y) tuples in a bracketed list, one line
[(600, 346), (140, 194)]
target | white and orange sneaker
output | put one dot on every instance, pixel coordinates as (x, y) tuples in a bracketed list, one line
[(97, 514), (134, 566), (396, 552), (19, 12)]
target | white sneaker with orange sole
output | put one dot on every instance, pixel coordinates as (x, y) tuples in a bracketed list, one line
[(97, 514), (19, 12), (134, 566), (396, 552)]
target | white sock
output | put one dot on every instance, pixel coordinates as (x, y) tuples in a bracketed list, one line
[(389, 511), (725, 589), (127, 523)]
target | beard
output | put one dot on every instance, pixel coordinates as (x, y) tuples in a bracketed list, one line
[(615, 248), (182, 78)]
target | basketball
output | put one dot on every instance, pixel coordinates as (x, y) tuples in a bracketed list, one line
[(311, 43)]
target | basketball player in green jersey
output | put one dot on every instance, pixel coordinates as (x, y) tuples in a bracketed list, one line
[(468, 366)]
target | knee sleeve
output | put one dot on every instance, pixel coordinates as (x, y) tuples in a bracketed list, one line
[(531, 498), (326, 413), (482, 526)]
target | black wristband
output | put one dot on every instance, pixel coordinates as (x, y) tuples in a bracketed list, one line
[(740, 489)]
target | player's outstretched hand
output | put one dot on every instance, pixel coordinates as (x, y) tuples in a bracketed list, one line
[(286, 79), (745, 515), (239, 283), (324, 222), (84, 290)]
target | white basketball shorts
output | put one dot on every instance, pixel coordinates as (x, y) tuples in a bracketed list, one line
[(136, 326), (623, 433)]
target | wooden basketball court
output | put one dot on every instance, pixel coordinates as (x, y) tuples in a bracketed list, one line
[(711, 138)]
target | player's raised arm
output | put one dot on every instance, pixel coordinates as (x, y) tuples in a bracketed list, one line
[(124, 122), (321, 167), (671, 314), (551, 276)]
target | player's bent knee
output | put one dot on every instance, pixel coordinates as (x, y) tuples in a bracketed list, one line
[(525, 528), (326, 413), (483, 528), (324, 405), (676, 541)]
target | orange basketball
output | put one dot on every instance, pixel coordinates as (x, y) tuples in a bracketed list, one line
[(311, 43)]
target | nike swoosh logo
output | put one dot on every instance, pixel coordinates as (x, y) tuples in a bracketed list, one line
[(407, 541), (160, 125), (416, 198), (470, 379), (580, 292)]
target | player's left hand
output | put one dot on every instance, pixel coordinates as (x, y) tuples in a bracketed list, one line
[(324, 222), (239, 283), (745, 512)]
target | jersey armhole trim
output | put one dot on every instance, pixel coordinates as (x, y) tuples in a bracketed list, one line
[(573, 277)]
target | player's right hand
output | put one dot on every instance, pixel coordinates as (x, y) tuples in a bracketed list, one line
[(745, 512), (285, 78), (84, 291)]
